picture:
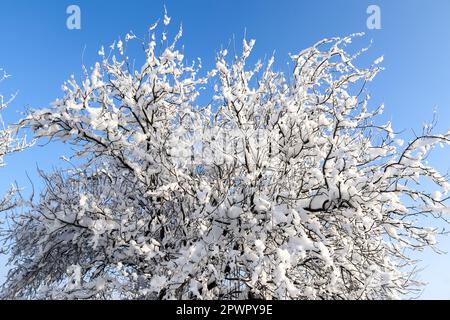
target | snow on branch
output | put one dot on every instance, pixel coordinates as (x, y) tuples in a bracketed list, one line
[(283, 187), (9, 143)]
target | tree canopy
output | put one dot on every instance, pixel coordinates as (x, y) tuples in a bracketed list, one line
[(284, 186)]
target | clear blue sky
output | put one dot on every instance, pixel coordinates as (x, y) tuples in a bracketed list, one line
[(40, 52)]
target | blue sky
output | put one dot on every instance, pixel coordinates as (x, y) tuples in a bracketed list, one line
[(40, 52)]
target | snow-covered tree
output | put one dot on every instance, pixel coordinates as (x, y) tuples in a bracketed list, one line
[(9, 143), (283, 187)]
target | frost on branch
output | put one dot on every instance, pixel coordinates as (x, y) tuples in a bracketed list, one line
[(281, 188)]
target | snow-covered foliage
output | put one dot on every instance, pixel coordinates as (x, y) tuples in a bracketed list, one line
[(283, 187), (9, 143)]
